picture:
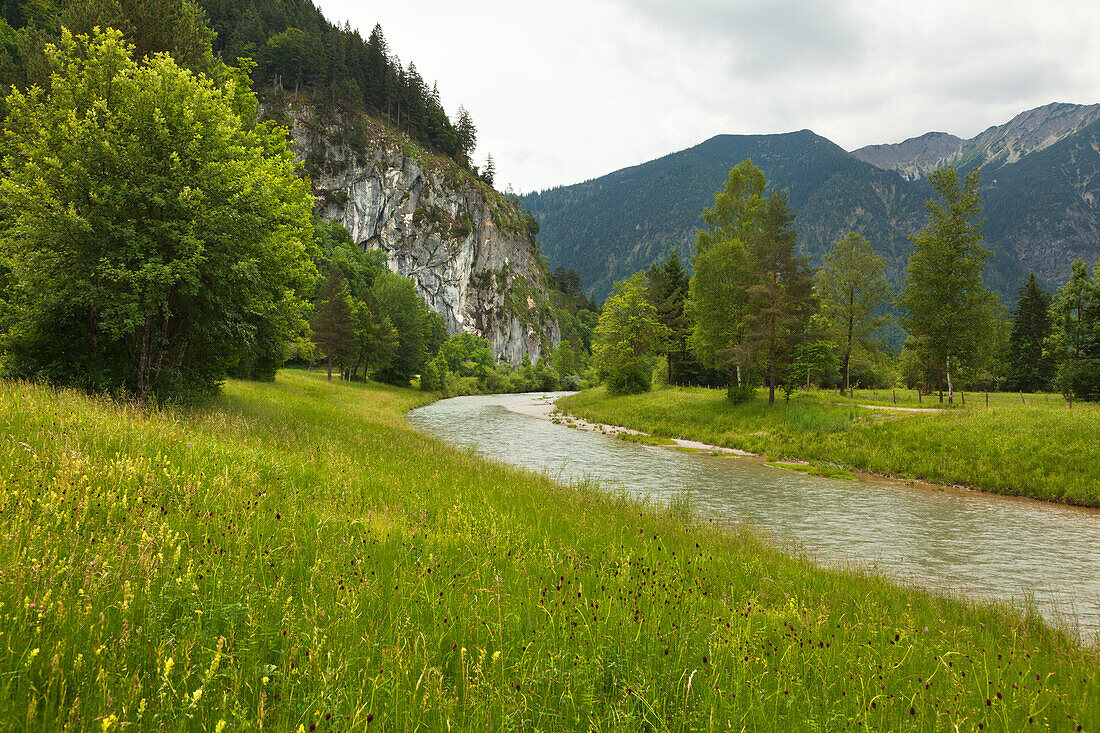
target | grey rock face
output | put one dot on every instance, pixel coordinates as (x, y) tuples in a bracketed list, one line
[(468, 259), (1027, 132)]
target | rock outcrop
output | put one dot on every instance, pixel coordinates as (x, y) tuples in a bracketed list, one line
[(466, 246)]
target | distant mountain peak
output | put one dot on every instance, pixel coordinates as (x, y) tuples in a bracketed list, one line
[(1028, 132)]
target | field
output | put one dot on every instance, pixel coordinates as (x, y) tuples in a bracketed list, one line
[(296, 557), (1031, 446)]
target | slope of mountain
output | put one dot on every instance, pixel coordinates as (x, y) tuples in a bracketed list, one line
[(1028, 132), (1040, 185), (610, 227)]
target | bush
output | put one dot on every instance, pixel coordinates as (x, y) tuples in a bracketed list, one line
[(740, 393), (633, 378), (571, 383)]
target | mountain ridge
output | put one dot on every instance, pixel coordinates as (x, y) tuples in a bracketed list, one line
[(1041, 185)]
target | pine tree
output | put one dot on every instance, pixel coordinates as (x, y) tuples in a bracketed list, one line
[(1029, 368), (490, 170), (334, 321), (467, 134), (668, 290)]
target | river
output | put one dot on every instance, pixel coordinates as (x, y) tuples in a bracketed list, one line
[(978, 545)]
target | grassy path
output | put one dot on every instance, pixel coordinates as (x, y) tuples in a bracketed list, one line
[(296, 557), (1040, 449)]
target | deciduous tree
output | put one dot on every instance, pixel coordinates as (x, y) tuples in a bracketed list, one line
[(851, 288), (945, 299), (628, 336), (156, 236)]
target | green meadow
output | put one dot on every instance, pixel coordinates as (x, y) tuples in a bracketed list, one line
[(1033, 445), (295, 557)]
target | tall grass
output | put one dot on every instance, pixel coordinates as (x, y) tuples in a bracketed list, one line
[(295, 557), (1040, 449)]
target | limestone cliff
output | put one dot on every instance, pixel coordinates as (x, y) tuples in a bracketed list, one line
[(466, 246)]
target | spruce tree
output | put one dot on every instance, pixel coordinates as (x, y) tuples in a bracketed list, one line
[(1029, 368), (334, 321)]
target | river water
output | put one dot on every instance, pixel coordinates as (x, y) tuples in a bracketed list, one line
[(979, 545)]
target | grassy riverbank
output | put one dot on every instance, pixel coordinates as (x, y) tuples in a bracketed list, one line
[(1041, 449), (296, 555)]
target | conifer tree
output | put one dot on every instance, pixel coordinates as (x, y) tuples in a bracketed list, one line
[(467, 134), (334, 321), (1029, 368)]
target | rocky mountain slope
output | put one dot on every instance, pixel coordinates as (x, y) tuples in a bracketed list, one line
[(1040, 185), (1028, 132), (468, 249)]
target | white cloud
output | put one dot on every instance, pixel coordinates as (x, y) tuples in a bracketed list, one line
[(570, 90)]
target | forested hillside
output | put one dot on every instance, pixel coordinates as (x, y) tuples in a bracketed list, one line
[(612, 226), (295, 48), (1040, 185)]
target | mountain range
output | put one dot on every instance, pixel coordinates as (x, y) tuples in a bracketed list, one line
[(1040, 185)]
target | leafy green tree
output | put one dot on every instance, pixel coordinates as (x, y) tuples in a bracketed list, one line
[(334, 322), (1075, 337), (945, 298), (156, 236), (420, 332), (851, 288), (1030, 367), (178, 27), (780, 293), (813, 358), (718, 293), (737, 208), (374, 337), (629, 334)]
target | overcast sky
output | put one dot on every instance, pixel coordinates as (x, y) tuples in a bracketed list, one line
[(566, 90)]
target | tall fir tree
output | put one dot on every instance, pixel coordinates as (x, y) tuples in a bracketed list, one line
[(1030, 366), (334, 321), (668, 290)]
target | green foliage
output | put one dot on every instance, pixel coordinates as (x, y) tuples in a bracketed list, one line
[(334, 321), (627, 337), (945, 299), (1075, 335), (751, 295), (157, 239), (178, 27), (420, 332), (851, 289), (296, 49), (1030, 368)]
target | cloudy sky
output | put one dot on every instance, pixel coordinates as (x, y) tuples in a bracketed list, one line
[(567, 90)]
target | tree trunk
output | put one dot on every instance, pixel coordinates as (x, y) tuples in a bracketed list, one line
[(771, 368), (950, 385), (330, 369), (848, 356)]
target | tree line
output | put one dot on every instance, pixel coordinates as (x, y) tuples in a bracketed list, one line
[(290, 45), (754, 312)]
